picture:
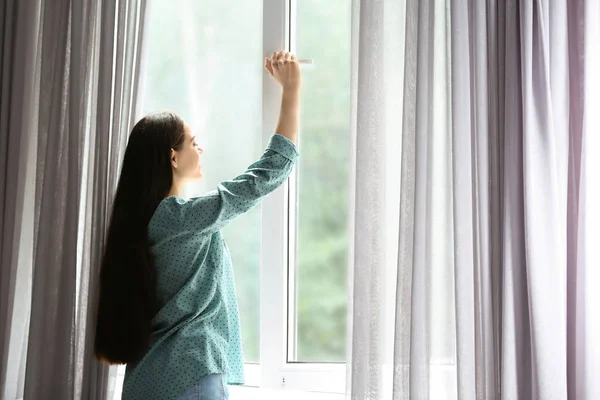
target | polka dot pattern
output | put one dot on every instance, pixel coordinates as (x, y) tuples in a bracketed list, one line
[(196, 332)]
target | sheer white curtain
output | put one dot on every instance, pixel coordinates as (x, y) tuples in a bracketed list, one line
[(403, 288), (473, 270)]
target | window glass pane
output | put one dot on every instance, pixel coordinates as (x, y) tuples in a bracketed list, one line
[(322, 32), (203, 60)]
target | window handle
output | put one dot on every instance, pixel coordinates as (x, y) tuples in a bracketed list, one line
[(308, 63)]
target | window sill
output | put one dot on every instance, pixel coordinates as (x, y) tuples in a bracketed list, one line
[(253, 393)]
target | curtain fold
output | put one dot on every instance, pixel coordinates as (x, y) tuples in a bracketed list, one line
[(515, 330), (370, 142), (19, 96), (73, 83), (583, 274), (491, 251), (544, 147)]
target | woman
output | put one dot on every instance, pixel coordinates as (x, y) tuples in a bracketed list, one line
[(167, 304)]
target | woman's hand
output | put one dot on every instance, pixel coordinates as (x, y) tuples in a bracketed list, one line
[(284, 68)]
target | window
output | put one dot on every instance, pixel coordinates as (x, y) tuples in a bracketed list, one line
[(196, 65), (320, 190), (204, 60)]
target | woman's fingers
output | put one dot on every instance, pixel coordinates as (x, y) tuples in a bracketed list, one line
[(277, 57), (269, 66), (282, 57)]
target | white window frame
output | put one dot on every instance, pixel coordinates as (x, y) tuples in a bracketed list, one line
[(278, 249)]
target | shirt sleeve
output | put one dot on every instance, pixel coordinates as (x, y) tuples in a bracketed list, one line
[(214, 210)]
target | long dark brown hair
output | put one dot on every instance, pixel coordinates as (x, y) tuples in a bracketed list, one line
[(127, 292)]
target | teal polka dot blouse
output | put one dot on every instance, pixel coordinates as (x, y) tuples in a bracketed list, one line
[(196, 332)]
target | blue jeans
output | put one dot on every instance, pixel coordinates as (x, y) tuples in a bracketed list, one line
[(211, 387)]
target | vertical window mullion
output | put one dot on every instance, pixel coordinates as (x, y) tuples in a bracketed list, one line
[(273, 271), (292, 325)]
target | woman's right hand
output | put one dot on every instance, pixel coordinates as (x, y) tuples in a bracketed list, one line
[(284, 68)]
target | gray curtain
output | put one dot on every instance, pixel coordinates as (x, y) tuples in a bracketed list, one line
[(476, 126), (69, 78)]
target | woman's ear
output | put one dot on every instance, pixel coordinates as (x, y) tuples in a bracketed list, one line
[(173, 158)]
